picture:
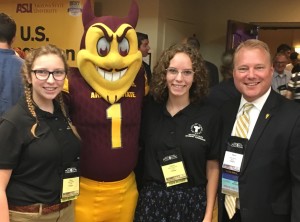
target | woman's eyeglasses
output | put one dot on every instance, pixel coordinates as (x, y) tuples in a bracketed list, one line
[(184, 72), (41, 74)]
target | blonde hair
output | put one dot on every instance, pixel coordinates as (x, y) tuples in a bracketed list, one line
[(26, 73), (253, 44)]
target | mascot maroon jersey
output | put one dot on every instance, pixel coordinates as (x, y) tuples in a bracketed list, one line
[(101, 124), (105, 93)]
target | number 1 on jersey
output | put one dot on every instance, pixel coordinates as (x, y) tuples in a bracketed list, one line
[(114, 113)]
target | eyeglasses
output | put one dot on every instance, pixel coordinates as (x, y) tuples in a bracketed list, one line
[(281, 63), (41, 74), (184, 72)]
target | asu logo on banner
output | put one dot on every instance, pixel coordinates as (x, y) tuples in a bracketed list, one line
[(41, 22), (24, 8)]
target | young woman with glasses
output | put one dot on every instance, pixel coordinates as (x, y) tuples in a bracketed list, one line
[(39, 152), (180, 142)]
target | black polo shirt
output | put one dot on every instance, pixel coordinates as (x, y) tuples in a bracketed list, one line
[(195, 130), (36, 162)]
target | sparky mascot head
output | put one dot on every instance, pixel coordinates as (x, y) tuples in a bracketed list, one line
[(109, 59)]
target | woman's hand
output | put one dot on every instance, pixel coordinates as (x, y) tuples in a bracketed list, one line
[(4, 178)]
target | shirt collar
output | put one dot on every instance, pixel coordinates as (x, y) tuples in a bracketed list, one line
[(258, 103), (185, 111), (7, 51), (276, 74), (44, 114)]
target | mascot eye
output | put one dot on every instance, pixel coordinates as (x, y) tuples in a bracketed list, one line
[(103, 47), (124, 47)]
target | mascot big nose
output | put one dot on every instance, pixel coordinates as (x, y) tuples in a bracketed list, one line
[(104, 95)]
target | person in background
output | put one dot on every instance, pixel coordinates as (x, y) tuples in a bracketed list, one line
[(293, 90), (287, 50), (281, 76), (180, 137), (143, 43), (226, 89), (296, 68), (39, 150), (10, 65), (284, 48), (261, 166), (213, 73), (294, 61)]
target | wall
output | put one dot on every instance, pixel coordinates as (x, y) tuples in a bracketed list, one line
[(165, 21), (215, 13), (276, 37), (168, 21), (43, 22), (148, 17), (210, 18), (176, 21)]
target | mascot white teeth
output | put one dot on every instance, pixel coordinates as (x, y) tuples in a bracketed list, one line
[(105, 95)]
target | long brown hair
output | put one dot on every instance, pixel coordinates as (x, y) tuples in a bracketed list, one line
[(199, 88), (26, 73)]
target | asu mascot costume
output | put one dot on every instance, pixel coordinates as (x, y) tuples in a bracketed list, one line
[(105, 96)]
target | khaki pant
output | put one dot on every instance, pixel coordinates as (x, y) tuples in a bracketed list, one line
[(64, 215)]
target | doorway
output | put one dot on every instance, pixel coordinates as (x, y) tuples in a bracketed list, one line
[(276, 36), (273, 33)]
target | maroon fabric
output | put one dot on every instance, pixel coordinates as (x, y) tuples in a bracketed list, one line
[(98, 160)]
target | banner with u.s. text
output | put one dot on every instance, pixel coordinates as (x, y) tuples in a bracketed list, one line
[(40, 22)]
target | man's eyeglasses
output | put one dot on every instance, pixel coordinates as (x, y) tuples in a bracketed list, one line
[(184, 72), (281, 63), (41, 74)]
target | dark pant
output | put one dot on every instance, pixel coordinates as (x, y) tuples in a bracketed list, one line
[(170, 204)]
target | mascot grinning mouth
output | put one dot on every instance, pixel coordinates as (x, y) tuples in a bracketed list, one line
[(111, 76)]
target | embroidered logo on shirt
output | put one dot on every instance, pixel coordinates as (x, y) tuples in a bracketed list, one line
[(196, 130)]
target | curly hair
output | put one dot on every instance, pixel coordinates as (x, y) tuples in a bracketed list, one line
[(26, 74), (158, 85)]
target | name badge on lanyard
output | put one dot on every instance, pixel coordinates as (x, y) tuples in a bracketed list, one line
[(172, 167), (232, 165), (70, 182)]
